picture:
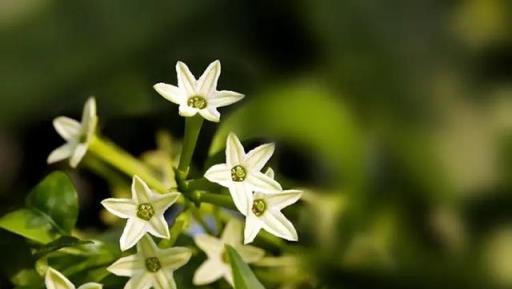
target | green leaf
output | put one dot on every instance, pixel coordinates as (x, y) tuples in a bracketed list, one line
[(55, 198), (243, 276), (62, 242), (28, 224)]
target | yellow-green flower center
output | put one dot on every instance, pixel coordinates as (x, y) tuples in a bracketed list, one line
[(197, 102), (238, 173), (258, 207), (225, 257), (82, 138), (153, 264), (145, 211)]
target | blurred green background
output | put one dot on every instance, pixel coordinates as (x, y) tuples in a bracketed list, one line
[(395, 116)]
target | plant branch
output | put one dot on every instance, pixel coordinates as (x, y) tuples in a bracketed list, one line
[(123, 161), (192, 129)]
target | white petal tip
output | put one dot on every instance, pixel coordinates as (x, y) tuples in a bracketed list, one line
[(124, 247), (293, 238)]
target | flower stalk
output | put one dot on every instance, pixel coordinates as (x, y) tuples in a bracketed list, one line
[(216, 199), (123, 161), (192, 128), (120, 159)]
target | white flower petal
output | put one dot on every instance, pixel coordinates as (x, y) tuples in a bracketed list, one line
[(140, 191), (174, 258), (163, 280), (270, 173), (252, 227), (63, 152), (157, 226), (170, 92), (250, 254), (161, 202), (91, 285), (259, 156), (232, 234), (283, 199), (262, 183), (234, 151), (210, 245), (219, 174), (78, 155), (207, 83), (55, 280), (210, 113), (241, 195), (89, 118), (89, 111), (277, 224), (186, 80), (187, 111), (224, 98), (133, 231), (228, 276), (128, 266), (68, 128), (123, 208), (90, 129), (139, 281), (210, 271)]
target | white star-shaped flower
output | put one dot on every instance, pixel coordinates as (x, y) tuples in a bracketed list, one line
[(151, 266), (217, 264), (55, 280), (198, 96), (144, 211), (265, 213), (77, 135), (241, 173)]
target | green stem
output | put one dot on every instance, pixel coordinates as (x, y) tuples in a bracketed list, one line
[(123, 161), (200, 184), (180, 224), (192, 129), (217, 199)]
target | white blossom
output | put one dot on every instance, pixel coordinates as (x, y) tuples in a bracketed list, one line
[(144, 211), (265, 213), (55, 280), (198, 96), (217, 265), (78, 135), (241, 173), (151, 266)]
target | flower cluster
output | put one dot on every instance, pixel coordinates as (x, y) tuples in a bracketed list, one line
[(256, 194)]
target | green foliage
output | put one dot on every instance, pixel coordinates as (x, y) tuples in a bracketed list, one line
[(64, 241), (49, 217), (52, 210), (243, 276), (56, 199), (29, 224)]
